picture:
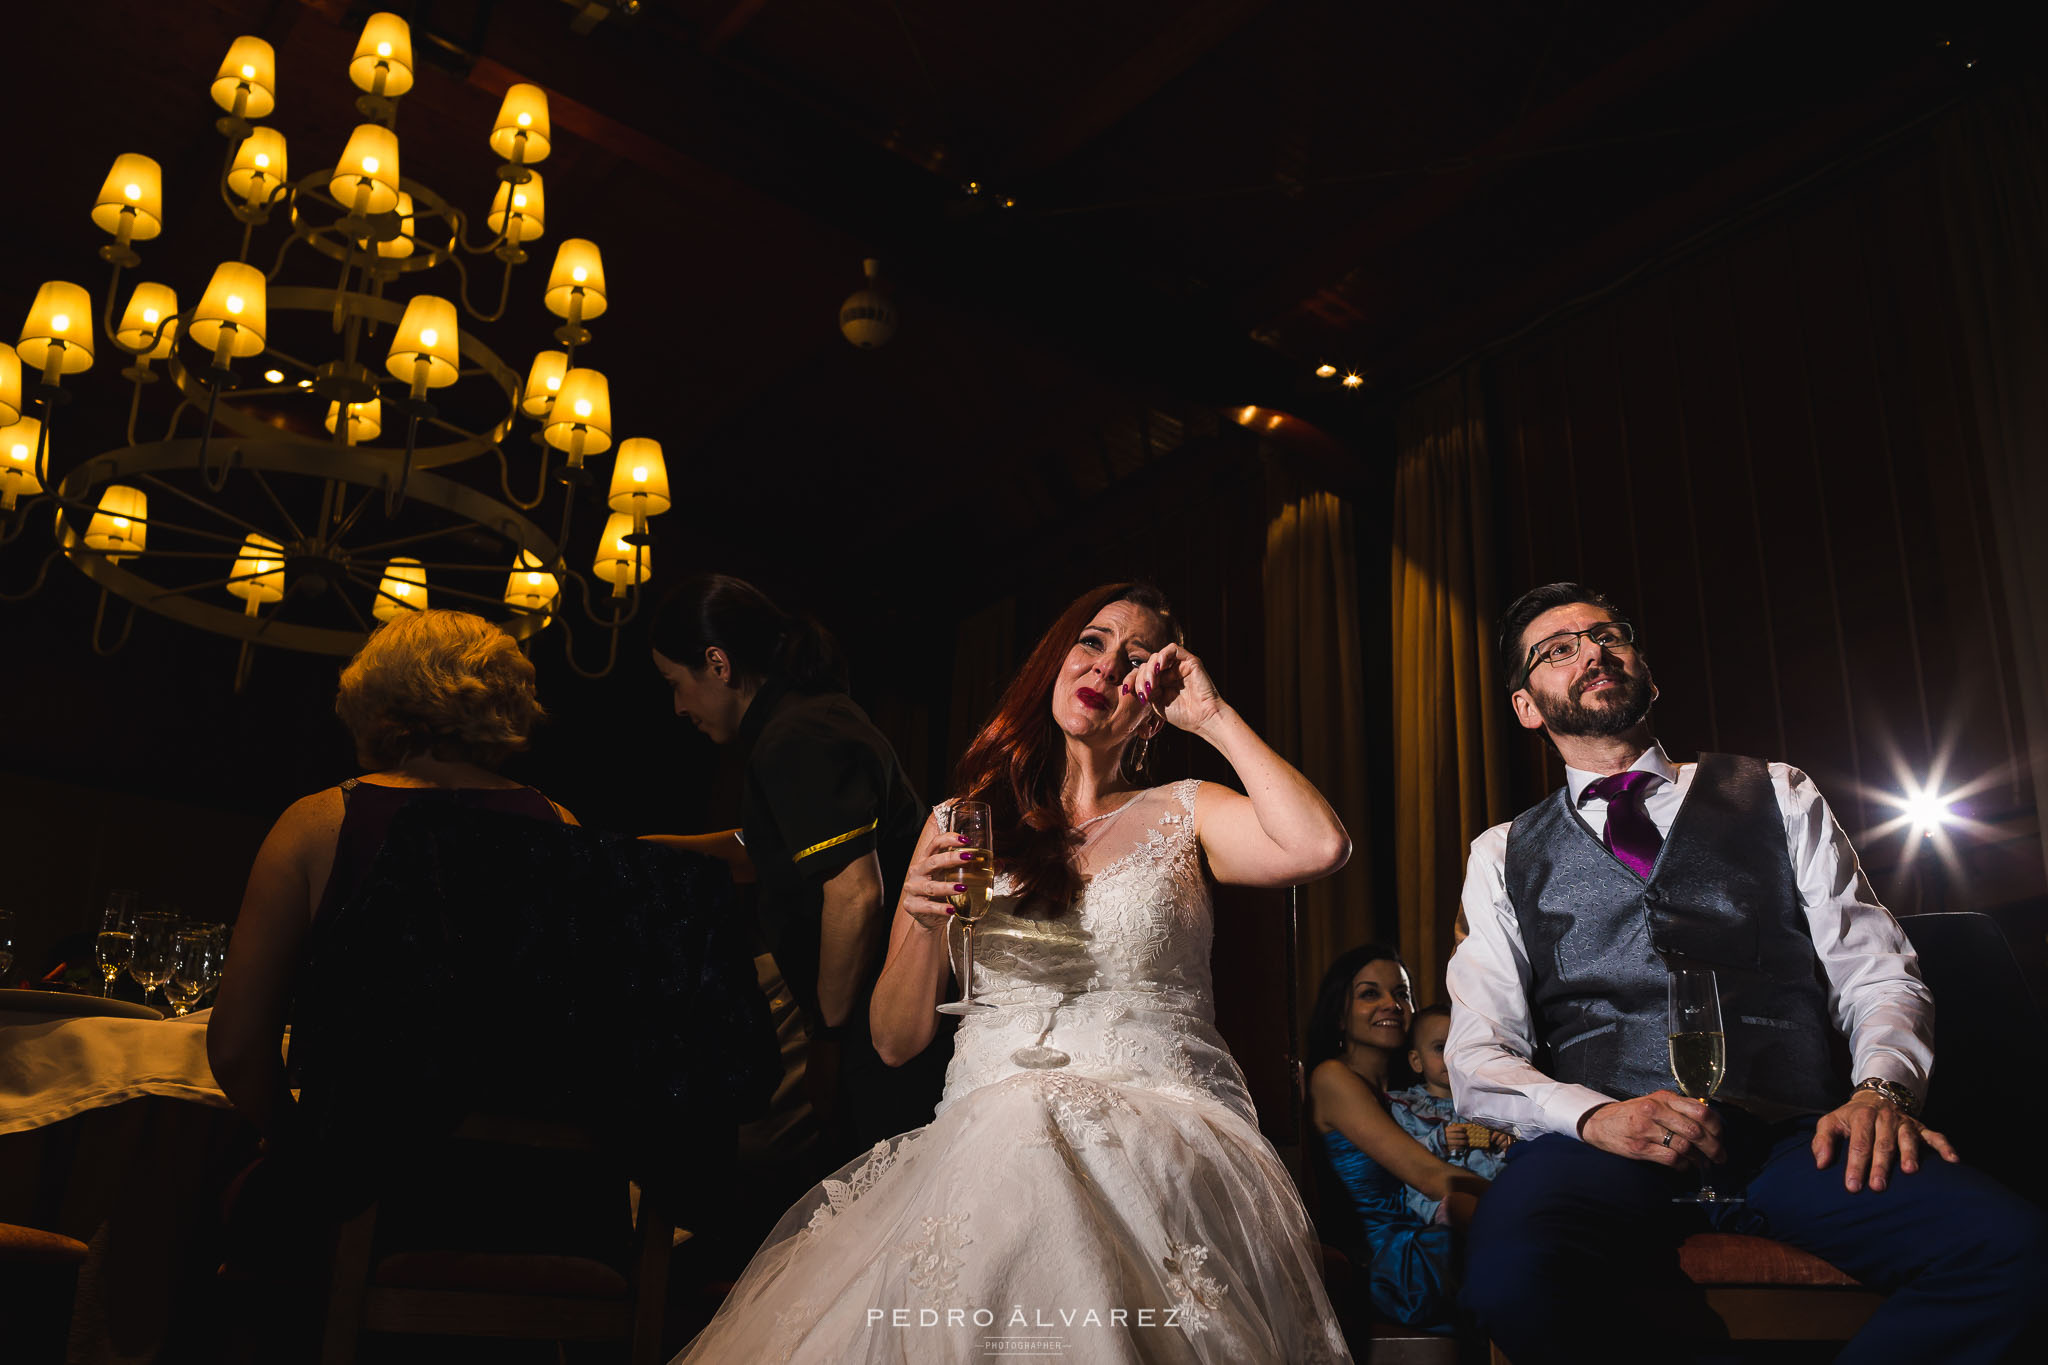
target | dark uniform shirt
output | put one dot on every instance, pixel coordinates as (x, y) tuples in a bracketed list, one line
[(823, 789)]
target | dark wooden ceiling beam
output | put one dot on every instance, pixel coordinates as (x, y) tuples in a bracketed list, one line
[(1310, 283), (1137, 79)]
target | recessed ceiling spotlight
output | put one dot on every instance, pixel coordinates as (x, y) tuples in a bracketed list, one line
[(1325, 371), (1353, 380), (273, 376)]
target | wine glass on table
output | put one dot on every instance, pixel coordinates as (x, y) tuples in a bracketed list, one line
[(975, 820), (155, 938), (195, 967), (1699, 1052), (116, 942)]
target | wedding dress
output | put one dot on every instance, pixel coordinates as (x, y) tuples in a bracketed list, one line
[(1094, 1186)]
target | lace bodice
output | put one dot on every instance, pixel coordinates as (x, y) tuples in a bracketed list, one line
[(1118, 987)]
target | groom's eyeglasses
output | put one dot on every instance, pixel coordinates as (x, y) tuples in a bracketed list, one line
[(1563, 647)]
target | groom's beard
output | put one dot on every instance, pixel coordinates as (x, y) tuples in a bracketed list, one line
[(1609, 712)]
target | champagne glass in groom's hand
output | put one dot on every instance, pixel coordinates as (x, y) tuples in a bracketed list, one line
[(1698, 1049)]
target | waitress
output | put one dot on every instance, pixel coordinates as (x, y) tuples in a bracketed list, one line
[(828, 821)]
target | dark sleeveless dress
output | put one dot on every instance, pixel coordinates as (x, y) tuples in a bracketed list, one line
[(369, 808), (1405, 1263)]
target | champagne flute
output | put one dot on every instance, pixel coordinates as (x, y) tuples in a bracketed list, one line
[(1699, 1051), (975, 820), (116, 942), (155, 937)]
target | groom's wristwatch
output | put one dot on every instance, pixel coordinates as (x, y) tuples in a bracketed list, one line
[(1892, 1093)]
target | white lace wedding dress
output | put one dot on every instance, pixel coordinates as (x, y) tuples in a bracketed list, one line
[(1094, 1186)]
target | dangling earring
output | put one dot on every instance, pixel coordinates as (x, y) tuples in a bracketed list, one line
[(1144, 750)]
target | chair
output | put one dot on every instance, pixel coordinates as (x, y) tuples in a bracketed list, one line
[(38, 1278), (524, 1295), (502, 988)]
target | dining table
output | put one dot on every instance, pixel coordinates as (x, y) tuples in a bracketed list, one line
[(113, 1131)]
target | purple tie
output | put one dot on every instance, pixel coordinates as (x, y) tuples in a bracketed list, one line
[(1631, 835)]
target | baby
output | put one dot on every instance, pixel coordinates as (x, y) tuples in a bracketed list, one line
[(1425, 1112)]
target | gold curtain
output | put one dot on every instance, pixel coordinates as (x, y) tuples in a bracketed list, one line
[(1315, 703), (1449, 715)]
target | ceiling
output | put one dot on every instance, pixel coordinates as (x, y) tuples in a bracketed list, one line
[(1106, 226)]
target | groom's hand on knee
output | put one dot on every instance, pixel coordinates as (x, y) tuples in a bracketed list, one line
[(1876, 1137), (1661, 1126)]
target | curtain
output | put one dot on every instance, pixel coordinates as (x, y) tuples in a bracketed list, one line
[(1315, 703), (1995, 193), (1449, 714)]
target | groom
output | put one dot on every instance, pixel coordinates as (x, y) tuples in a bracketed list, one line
[(1576, 910)]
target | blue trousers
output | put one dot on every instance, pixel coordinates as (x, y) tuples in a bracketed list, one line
[(1573, 1253)]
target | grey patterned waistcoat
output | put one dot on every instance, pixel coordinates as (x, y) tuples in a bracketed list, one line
[(1721, 895)]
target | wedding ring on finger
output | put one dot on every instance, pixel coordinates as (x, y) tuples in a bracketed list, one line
[(1668, 1135)]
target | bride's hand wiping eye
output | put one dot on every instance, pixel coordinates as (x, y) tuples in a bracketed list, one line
[(1174, 684)]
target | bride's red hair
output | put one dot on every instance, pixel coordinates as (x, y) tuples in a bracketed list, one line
[(1018, 762)]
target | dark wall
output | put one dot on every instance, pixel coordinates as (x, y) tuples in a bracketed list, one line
[(1766, 453)]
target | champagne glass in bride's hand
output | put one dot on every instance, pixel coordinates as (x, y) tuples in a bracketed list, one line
[(116, 942), (974, 820), (1699, 1051)]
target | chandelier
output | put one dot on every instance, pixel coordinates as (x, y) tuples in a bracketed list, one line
[(300, 490)]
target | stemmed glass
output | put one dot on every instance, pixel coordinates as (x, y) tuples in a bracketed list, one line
[(195, 966), (975, 820), (1699, 1051), (116, 942), (155, 937)]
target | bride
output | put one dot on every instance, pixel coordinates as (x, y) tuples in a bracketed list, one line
[(1094, 1184)]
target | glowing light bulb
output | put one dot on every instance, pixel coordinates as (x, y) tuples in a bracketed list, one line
[(369, 165), (262, 161), (533, 580), (132, 191), (519, 201), (1325, 371), (273, 376), (20, 452), (428, 336), (403, 589), (639, 473), (122, 522), (248, 72), (383, 49), (578, 274), (525, 120), (234, 303), (60, 322), (583, 407), (1353, 380), (554, 383), (149, 315)]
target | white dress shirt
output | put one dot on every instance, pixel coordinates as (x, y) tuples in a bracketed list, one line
[(1875, 994)]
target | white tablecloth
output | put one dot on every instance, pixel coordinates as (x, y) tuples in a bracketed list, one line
[(51, 1069)]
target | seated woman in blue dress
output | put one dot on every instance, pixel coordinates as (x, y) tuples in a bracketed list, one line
[(1358, 1038)]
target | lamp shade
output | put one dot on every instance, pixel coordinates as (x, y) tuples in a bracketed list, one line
[(577, 266), (259, 572), (387, 44), (426, 332), (528, 210), (250, 62), (618, 561), (10, 385), (530, 588), (399, 247), (585, 404), (371, 158), (61, 312), (365, 420), (260, 165), (403, 588), (638, 475), (525, 110), (543, 382), (136, 183), (150, 320), (18, 443), (120, 526), (234, 296)]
